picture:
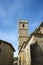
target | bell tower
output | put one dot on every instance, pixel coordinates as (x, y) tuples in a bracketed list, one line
[(23, 32)]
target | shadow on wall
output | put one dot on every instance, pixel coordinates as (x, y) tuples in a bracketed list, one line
[(36, 54)]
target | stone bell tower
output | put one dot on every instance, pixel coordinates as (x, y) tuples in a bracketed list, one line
[(23, 32)]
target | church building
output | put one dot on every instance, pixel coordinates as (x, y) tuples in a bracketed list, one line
[(30, 47)]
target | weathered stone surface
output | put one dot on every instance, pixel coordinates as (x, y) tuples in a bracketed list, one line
[(6, 54)]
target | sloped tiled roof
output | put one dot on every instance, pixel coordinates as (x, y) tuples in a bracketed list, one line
[(38, 29), (35, 33), (8, 44)]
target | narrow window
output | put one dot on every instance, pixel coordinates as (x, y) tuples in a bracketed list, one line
[(0, 51), (23, 25), (0, 43)]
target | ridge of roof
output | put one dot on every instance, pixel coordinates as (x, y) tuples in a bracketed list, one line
[(31, 36), (22, 46), (8, 44), (40, 26)]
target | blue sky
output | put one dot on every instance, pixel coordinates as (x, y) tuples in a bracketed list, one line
[(13, 10)]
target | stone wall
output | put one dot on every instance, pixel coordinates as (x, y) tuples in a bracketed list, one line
[(6, 54), (37, 51)]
